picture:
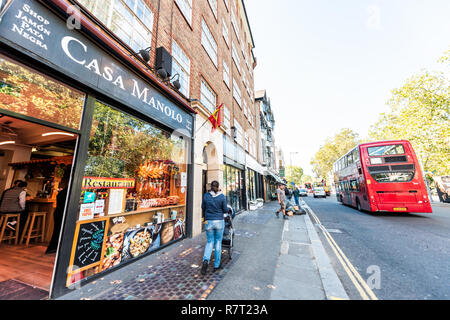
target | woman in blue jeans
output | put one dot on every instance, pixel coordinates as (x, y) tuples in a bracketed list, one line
[(215, 206)]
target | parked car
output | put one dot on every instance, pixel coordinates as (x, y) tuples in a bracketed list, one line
[(303, 192), (319, 192), (443, 188)]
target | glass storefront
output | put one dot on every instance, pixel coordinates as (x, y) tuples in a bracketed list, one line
[(115, 184), (36, 161), (32, 94), (233, 180), (251, 185), (134, 181)]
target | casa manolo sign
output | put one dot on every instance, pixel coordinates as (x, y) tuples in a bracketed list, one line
[(32, 26)]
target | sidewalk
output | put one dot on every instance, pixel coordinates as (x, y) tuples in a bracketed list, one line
[(273, 259)]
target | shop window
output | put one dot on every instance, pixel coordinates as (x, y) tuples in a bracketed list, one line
[(32, 94), (135, 179)]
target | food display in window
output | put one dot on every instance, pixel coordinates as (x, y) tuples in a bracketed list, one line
[(167, 232), (113, 253)]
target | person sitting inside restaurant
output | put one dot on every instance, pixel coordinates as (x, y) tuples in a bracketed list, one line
[(14, 201)]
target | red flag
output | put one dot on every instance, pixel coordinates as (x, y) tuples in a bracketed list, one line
[(216, 118)]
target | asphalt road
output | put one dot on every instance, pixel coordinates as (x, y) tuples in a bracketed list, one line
[(401, 256)]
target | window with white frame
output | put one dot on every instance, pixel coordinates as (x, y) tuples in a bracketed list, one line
[(225, 33), (130, 20), (209, 43), (227, 4), (226, 119), (186, 8), (207, 96), (237, 92), (235, 24), (226, 74), (246, 143), (181, 64), (239, 132), (213, 5), (245, 108), (235, 56)]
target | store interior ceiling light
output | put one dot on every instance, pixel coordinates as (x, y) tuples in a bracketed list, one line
[(58, 134), (7, 142)]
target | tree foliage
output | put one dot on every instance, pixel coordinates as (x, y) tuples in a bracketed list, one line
[(332, 150), (420, 112), (295, 174)]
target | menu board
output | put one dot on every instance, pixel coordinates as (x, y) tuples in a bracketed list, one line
[(90, 237)]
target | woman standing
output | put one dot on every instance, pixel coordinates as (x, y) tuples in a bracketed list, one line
[(215, 206)]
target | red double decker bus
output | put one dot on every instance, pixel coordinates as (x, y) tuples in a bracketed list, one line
[(382, 176)]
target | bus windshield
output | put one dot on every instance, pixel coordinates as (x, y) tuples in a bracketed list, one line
[(386, 150)]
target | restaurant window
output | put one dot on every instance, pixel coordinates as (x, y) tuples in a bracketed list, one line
[(135, 182), (130, 20), (30, 93), (181, 65), (36, 161), (209, 43)]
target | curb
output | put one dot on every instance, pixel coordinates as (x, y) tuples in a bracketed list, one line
[(334, 290)]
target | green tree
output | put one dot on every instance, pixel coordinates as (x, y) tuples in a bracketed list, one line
[(306, 179), (420, 112), (332, 150), (295, 174)]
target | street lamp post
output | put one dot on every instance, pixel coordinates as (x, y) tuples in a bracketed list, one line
[(292, 171)]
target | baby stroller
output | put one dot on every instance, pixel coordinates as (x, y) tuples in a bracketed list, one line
[(228, 233)]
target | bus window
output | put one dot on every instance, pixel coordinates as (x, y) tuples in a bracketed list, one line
[(355, 155), (386, 150)]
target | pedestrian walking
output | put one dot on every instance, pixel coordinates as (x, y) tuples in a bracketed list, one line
[(297, 195), (282, 201), (215, 206)]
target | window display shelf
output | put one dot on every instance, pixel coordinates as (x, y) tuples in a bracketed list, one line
[(144, 211)]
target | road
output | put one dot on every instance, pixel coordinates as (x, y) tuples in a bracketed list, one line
[(401, 256)]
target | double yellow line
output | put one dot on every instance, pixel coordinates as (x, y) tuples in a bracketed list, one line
[(359, 283)]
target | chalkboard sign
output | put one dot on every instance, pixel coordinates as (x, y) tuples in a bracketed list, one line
[(90, 236)]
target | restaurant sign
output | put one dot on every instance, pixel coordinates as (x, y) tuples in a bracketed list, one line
[(90, 183), (31, 26)]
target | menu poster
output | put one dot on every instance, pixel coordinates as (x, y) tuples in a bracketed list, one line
[(88, 245), (183, 179), (99, 208), (116, 201), (87, 211)]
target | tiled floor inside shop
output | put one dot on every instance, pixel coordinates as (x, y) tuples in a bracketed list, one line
[(27, 264)]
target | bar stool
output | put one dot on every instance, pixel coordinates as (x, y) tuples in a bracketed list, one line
[(32, 231), (12, 235)]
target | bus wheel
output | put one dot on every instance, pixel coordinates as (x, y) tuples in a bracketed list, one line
[(358, 205)]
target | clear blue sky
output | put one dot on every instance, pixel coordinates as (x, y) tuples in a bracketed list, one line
[(331, 64)]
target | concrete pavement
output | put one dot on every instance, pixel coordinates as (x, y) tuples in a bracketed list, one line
[(273, 259)]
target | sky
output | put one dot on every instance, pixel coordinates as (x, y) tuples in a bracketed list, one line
[(332, 64)]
